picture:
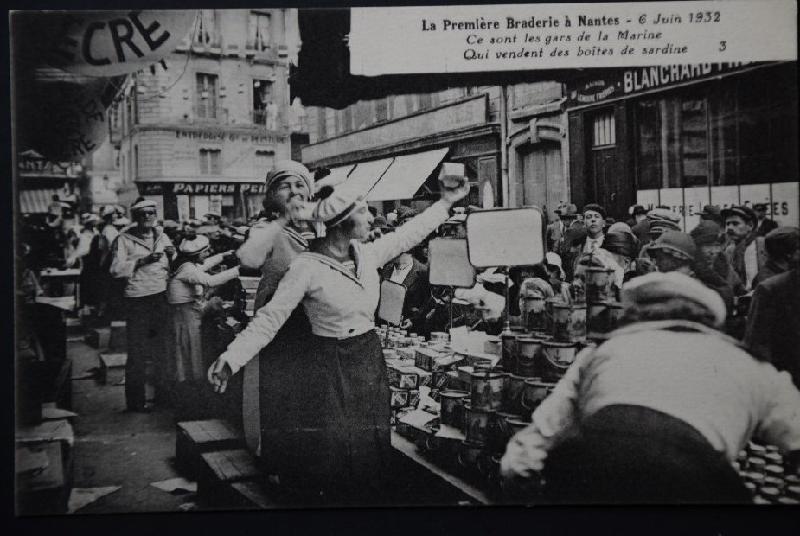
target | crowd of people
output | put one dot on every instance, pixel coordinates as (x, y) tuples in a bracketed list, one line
[(712, 309)]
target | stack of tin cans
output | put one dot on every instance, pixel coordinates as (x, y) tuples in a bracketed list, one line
[(765, 475)]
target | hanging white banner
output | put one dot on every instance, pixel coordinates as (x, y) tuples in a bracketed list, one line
[(109, 43), (456, 39)]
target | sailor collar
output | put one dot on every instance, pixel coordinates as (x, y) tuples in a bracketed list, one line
[(340, 267), (156, 237)]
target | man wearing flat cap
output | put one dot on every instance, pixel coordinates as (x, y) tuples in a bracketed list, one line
[(141, 257), (659, 411), (745, 249), (763, 224), (712, 267)]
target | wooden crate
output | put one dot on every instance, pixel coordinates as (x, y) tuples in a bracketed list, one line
[(250, 495), (99, 338), (43, 490), (221, 468), (193, 438), (112, 368)]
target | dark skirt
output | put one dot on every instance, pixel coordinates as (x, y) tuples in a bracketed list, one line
[(633, 454), (325, 417)]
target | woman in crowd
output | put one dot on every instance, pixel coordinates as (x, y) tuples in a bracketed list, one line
[(339, 433), (271, 246), (186, 291)]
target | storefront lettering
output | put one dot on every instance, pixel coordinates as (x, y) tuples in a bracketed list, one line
[(230, 136), (631, 81)]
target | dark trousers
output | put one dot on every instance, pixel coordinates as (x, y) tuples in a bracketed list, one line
[(632, 454), (147, 324)]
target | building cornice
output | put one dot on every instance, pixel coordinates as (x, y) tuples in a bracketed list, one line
[(407, 146)]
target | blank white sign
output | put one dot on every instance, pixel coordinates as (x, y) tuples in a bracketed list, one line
[(505, 237), (390, 308), (449, 263)]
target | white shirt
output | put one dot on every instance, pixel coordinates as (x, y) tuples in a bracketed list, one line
[(687, 371), (593, 244), (190, 280), (338, 303), (399, 274)]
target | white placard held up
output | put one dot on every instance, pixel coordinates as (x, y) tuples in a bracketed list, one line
[(505, 237), (449, 263)]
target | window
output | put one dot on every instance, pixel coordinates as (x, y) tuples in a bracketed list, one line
[(603, 129), (135, 162), (210, 162), (206, 96), (734, 131), (207, 33), (259, 31), (262, 94)]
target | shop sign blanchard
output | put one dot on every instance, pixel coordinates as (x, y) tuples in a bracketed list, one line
[(624, 82)]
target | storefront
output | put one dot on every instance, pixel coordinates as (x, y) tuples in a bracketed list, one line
[(181, 201), (685, 136), (40, 181)]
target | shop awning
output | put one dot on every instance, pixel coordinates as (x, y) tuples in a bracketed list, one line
[(366, 174), (406, 175), (337, 176), (36, 201)]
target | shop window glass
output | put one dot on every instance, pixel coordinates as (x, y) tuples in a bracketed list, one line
[(603, 129), (322, 123), (735, 131), (210, 162)]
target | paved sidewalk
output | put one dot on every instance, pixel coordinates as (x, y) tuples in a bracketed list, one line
[(115, 448)]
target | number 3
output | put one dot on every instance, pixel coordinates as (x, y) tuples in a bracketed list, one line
[(722, 45)]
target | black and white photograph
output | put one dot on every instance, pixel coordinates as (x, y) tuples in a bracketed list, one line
[(292, 258)]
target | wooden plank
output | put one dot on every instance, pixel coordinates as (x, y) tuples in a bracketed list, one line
[(231, 465), (253, 495), (408, 449)]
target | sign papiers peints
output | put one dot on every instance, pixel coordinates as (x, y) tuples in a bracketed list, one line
[(458, 39)]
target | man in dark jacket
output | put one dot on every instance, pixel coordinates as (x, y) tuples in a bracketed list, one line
[(763, 224), (773, 324), (712, 267), (783, 248)]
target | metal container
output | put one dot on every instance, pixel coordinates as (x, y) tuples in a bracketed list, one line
[(569, 322), (493, 345), (557, 357), (529, 352), (476, 424), (534, 315), (486, 389), (512, 394), (602, 318), (452, 408), (502, 431), (599, 283), (508, 352), (534, 392)]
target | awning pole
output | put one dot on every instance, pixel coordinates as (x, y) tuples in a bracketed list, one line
[(505, 185)]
